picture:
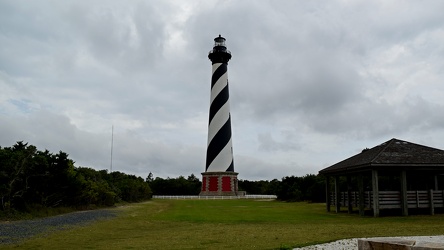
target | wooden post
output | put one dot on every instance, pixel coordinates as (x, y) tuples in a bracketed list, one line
[(431, 203), (375, 188), (404, 201), (327, 193), (417, 199), (436, 182), (337, 195), (361, 194), (370, 202), (349, 196)]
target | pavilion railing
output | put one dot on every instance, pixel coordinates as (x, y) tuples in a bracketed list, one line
[(392, 199)]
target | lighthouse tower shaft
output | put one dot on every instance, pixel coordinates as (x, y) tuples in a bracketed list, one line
[(219, 150), (219, 177)]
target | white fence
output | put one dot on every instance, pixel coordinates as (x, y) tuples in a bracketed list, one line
[(198, 197)]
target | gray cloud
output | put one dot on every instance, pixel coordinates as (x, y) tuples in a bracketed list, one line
[(310, 83)]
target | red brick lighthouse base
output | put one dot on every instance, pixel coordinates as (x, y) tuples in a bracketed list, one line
[(219, 183)]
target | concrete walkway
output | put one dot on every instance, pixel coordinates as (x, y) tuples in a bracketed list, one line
[(352, 244)]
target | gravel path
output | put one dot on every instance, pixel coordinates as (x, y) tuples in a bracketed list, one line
[(15, 231)]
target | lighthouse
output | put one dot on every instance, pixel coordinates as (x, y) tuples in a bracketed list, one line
[(219, 177)]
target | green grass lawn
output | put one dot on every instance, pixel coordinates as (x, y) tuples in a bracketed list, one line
[(229, 224)]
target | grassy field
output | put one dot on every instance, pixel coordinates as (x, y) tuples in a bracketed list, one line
[(228, 224)]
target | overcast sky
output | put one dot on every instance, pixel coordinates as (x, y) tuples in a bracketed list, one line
[(311, 82)]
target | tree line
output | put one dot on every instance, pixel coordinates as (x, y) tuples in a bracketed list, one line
[(32, 178), (307, 188)]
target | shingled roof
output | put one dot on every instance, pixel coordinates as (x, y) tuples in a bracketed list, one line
[(391, 154)]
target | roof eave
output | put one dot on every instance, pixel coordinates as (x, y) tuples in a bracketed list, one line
[(378, 166)]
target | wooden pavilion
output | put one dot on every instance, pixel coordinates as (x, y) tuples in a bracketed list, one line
[(394, 175)]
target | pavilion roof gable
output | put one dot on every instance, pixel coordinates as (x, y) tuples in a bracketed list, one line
[(394, 152)]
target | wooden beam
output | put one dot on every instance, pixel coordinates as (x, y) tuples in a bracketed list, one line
[(337, 195), (432, 204), (404, 202), (417, 199), (361, 194), (327, 193), (349, 197), (375, 188)]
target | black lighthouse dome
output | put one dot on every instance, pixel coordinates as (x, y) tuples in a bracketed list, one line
[(219, 53)]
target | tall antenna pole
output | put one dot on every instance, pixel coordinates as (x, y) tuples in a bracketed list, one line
[(112, 142)]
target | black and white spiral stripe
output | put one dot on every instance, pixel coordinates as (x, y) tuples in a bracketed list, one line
[(219, 150)]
